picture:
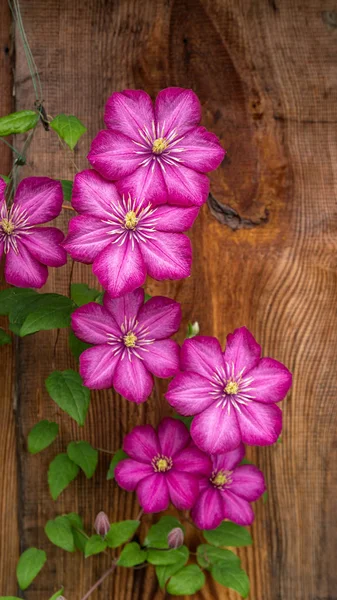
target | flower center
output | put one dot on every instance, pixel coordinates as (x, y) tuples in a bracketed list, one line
[(130, 220), (159, 145), (161, 463), (130, 339), (221, 478), (232, 387), (7, 226)]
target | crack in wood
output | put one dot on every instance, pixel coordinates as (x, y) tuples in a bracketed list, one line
[(226, 215)]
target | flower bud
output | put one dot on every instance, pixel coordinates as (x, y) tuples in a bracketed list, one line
[(60, 598), (102, 524), (175, 538)]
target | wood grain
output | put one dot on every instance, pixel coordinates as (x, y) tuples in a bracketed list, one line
[(265, 71)]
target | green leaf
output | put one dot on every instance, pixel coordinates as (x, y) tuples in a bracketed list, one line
[(192, 330), (121, 532), (80, 537), (188, 580), (228, 534), (166, 557), (59, 532), (82, 294), (94, 545), (69, 128), (157, 534), (76, 345), (69, 393), (6, 180), (57, 594), (29, 566), (186, 420), (83, 455), (147, 297), (265, 497), (5, 338), (61, 472), (118, 456), (165, 572), (245, 461), (74, 519), (210, 555), (132, 555), (67, 188), (50, 311), (12, 297), (42, 435), (234, 578), (18, 122)]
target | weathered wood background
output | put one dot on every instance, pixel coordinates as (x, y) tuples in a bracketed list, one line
[(266, 74)]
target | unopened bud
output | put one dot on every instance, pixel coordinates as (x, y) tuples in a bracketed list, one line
[(192, 329), (102, 524), (60, 598), (175, 538)]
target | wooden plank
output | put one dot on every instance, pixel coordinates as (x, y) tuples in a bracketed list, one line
[(264, 73)]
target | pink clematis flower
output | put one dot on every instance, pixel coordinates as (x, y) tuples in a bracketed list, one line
[(163, 467), (226, 491), (158, 152), (233, 393), (29, 249), (130, 343), (125, 239)]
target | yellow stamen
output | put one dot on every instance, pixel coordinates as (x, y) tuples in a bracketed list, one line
[(162, 464), (159, 145), (232, 387), (130, 220), (130, 340), (220, 479), (7, 226)]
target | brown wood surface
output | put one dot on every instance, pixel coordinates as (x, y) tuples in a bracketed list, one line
[(265, 71)]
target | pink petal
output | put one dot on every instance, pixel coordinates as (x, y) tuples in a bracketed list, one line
[(3, 186), (177, 108), (142, 444), (175, 219), (2, 246), (92, 323), (209, 510), (189, 393), (173, 436), (248, 482), (120, 268), (271, 381), (87, 237), (237, 509), (161, 316), (126, 306), (129, 473), (192, 460), (228, 460), (183, 489), (242, 350), (162, 358), (41, 197), (201, 354), (132, 380), (44, 244), (93, 195), (260, 424), (114, 155), (214, 430), (128, 112), (146, 182), (97, 366), (168, 256), (153, 494), (23, 270), (201, 150), (185, 187)]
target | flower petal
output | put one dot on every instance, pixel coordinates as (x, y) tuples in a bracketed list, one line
[(183, 489), (177, 108), (126, 306), (120, 268), (242, 350), (145, 182), (193, 460), (161, 316), (201, 354), (189, 393), (128, 473), (132, 380), (44, 244), (92, 195), (260, 424), (185, 187), (87, 237), (97, 366), (248, 482), (201, 150), (175, 219), (92, 323), (23, 270), (153, 493), (215, 430), (271, 381), (168, 256), (162, 358), (3, 186), (237, 509), (228, 460), (173, 436), (115, 155), (209, 510), (128, 112), (41, 197), (142, 444)]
